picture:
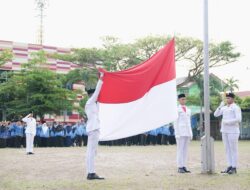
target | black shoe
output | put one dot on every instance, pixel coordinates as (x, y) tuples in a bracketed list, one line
[(232, 171), (226, 170), (93, 176), (29, 153), (181, 170), (185, 170)]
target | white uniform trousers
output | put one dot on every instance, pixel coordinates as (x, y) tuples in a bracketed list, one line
[(182, 149), (230, 142), (93, 139), (29, 142)]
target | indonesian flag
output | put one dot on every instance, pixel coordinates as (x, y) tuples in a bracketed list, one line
[(139, 99)]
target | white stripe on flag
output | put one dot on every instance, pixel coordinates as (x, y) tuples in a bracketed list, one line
[(155, 109)]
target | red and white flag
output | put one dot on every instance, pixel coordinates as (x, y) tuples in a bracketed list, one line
[(139, 99)]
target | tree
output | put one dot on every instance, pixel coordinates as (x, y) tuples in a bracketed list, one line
[(149, 45), (87, 75), (37, 61), (5, 56), (82, 105), (188, 50), (215, 97), (231, 84), (245, 104), (35, 89), (238, 100), (80, 56), (115, 55), (219, 54)]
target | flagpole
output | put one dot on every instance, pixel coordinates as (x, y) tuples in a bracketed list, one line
[(207, 141)]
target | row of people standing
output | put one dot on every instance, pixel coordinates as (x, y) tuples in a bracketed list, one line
[(12, 134), (161, 136), (48, 134), (61, 134)]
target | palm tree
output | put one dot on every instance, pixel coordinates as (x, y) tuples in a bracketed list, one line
[(231, 84)]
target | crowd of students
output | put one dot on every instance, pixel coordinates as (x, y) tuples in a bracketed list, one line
[(53, 134)]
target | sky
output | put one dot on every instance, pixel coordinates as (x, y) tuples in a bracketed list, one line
[(81, 23)]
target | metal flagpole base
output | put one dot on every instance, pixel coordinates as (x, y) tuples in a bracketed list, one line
[(207, 155)]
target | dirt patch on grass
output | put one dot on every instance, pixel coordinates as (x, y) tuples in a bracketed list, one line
[(135, 167)]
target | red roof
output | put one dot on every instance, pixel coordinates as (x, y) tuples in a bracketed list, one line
[(74, 116), (243, 94)]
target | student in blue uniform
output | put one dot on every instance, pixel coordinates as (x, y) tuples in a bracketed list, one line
[(165, 134), (19, 131), (172, 139), (68, 134), (52, 134), (60, 135), (44, 135), (84, 134), (37, 140), (143, 139), (152, 136), (8, 136), (135, 140), (3, 135), (2, 141), (23, 141), (79, 133), (159, 136), (73, 135), (12, 134)]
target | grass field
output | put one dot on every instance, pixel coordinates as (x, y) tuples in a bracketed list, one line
[(135, 167)]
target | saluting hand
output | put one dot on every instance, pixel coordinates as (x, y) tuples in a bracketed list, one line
[(221, 104)]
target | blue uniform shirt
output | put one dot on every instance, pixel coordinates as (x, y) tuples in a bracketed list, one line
[(84, 130), (52, 132), (153, 132), (19, 130), (60, 133), (79, 130), (158, 130), (4, 133), (165, 130), (12, 130), (38, 130), (68, 131), (73, 133)]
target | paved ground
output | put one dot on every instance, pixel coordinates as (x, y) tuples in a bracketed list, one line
[(135, 167)]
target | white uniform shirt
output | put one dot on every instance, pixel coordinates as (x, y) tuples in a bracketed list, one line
[(182, 125), (31, 125), (231, 118), (92, 109), (45, 128)]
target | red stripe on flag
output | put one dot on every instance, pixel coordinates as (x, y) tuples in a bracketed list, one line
[(131, 84)]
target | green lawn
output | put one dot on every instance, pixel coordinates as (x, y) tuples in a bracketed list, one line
[(135, 167)]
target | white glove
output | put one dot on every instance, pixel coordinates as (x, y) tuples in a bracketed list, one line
[(221, 104)]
